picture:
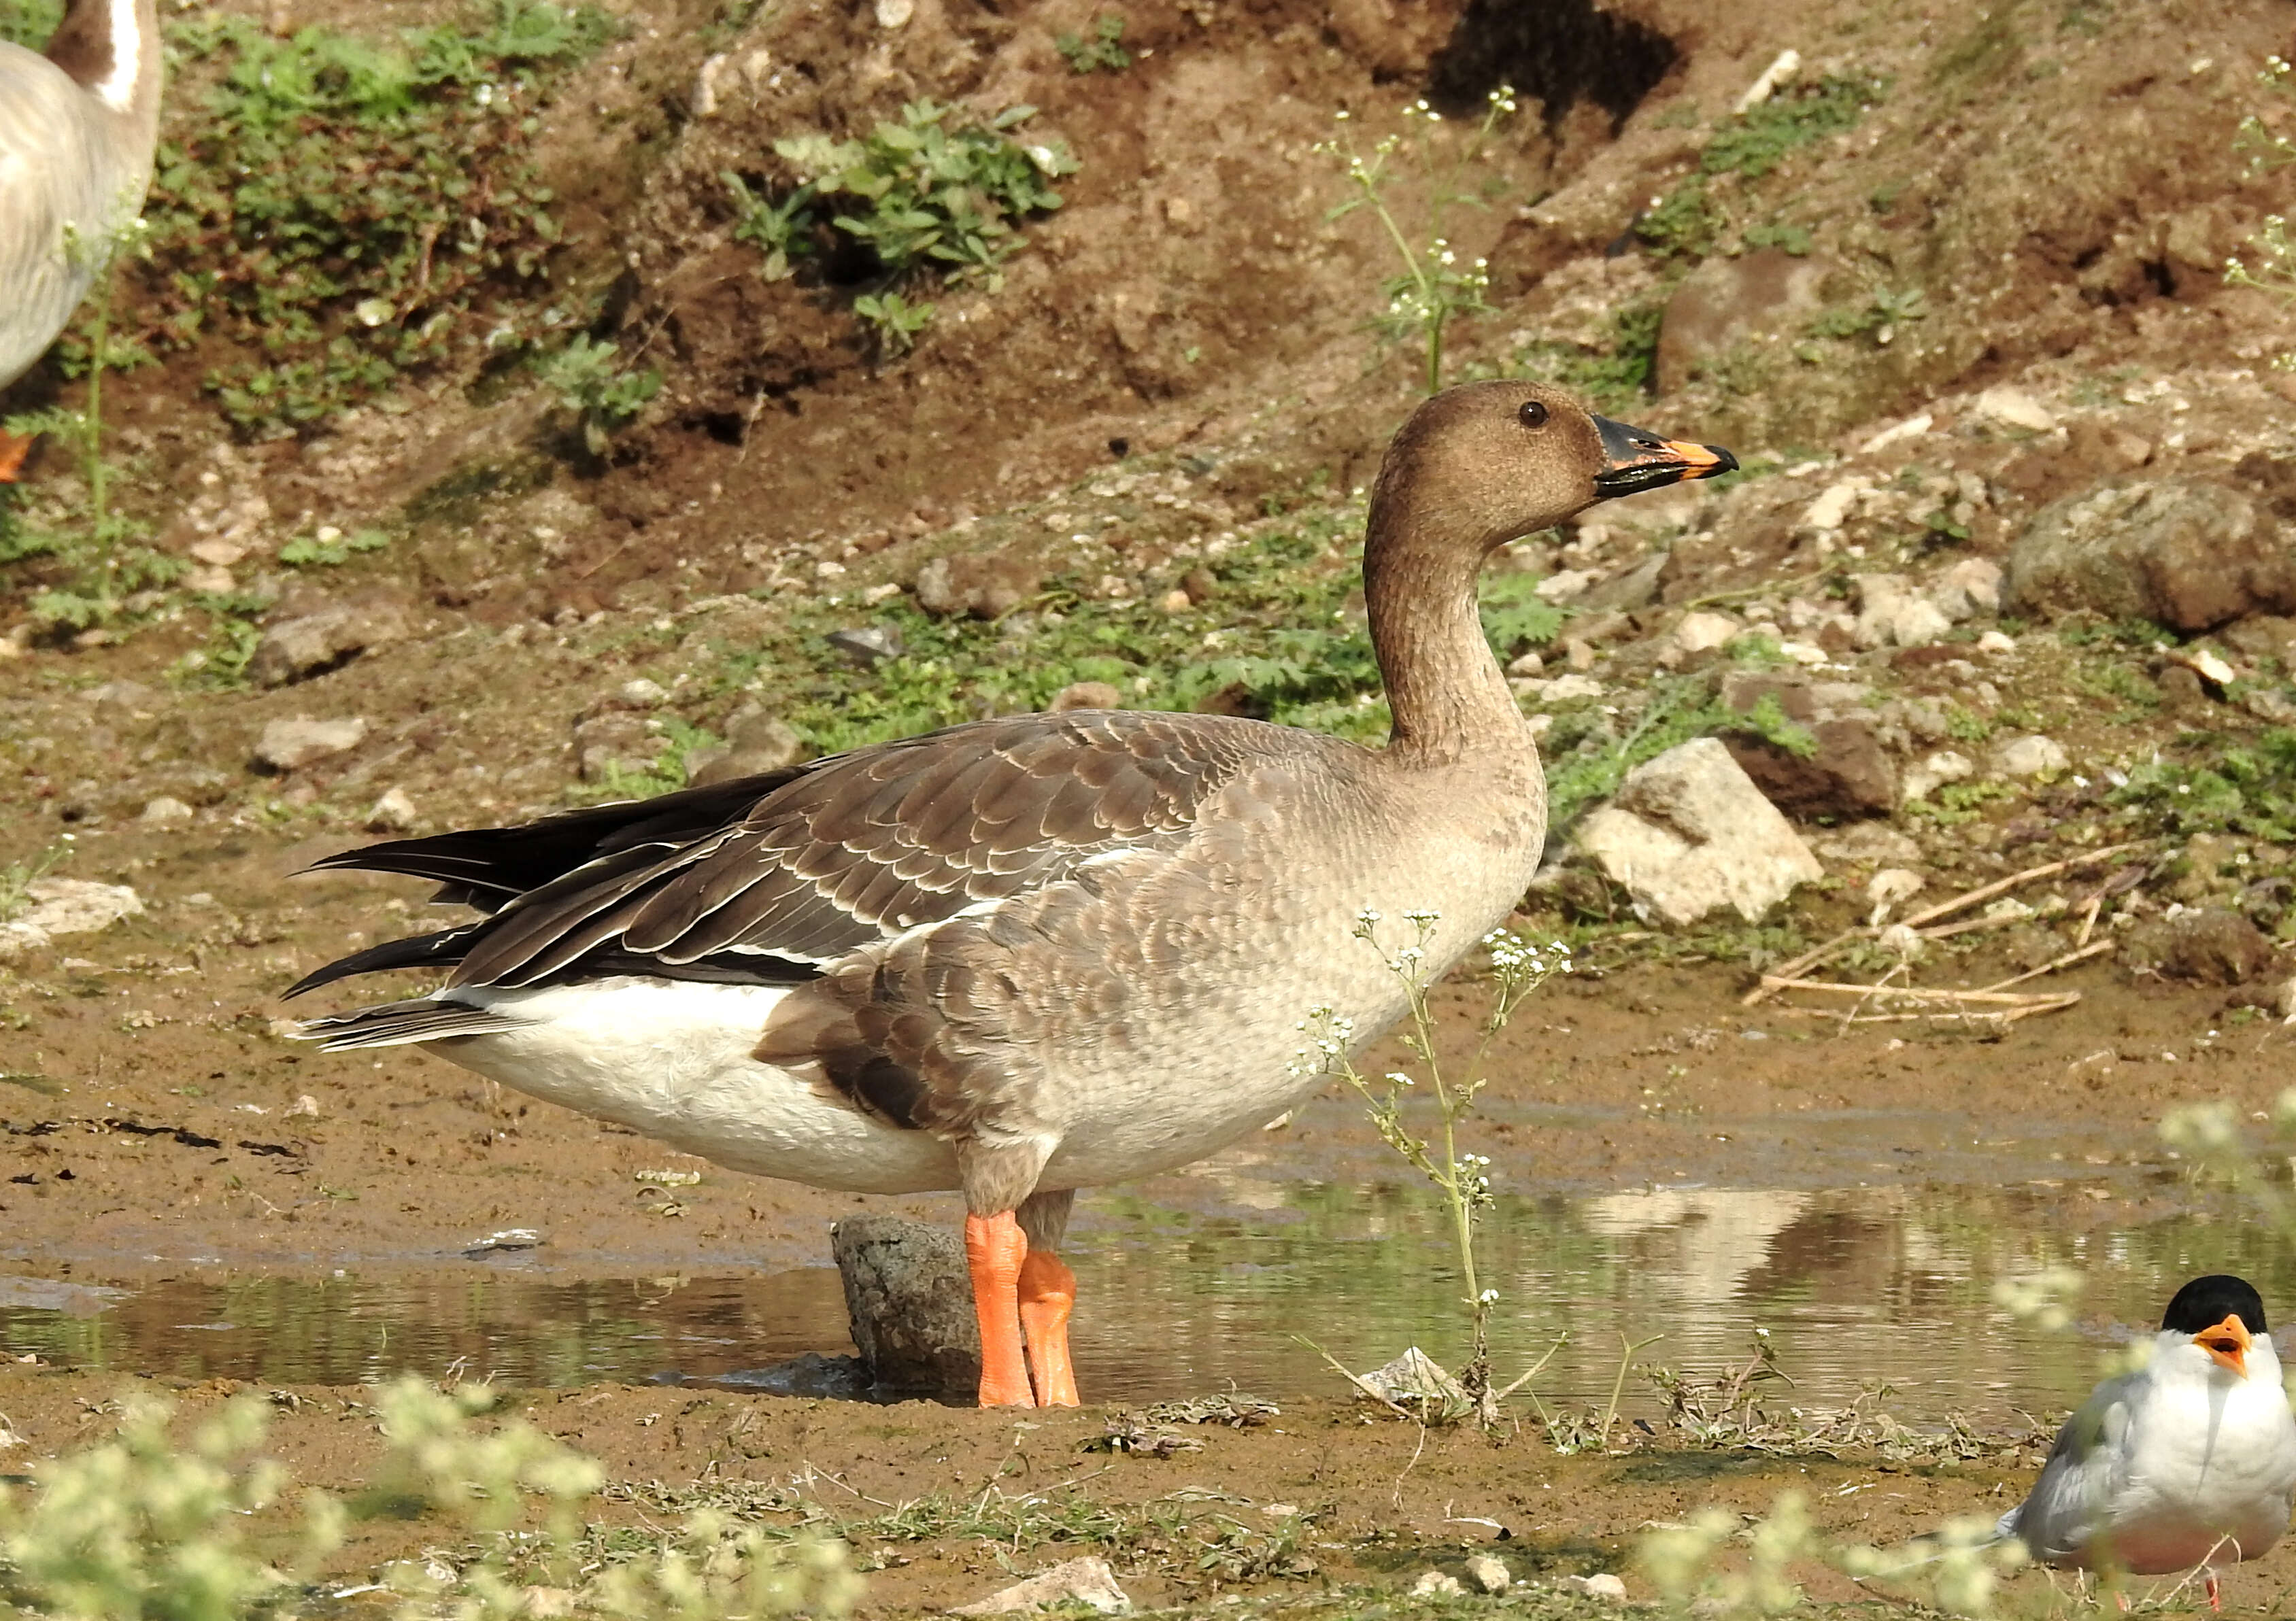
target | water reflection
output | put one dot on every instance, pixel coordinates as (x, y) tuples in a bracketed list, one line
[(1857, 1287)]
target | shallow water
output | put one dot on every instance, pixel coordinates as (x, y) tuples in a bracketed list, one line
[(1857, 1287)]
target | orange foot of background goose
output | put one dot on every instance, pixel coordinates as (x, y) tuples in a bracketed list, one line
[(13, 452), (1011, 1289)]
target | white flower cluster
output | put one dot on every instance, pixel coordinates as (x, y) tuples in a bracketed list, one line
[(1329, 1035), (1473, 1175), (1513, 958)]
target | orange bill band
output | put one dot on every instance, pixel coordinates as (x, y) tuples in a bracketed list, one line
[(1636, 459), (2226, 1343)]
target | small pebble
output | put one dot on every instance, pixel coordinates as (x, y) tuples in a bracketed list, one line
[(1434, 1584), (1488, 1573)]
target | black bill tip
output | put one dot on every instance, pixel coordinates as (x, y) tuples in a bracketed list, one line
[(1636, 459)]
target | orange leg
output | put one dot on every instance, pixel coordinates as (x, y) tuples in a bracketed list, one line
[(1047, 1296), (13, 452), (2216, 1594), (993, 1252)]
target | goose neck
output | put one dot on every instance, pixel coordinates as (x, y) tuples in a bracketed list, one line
[(1444, 688)]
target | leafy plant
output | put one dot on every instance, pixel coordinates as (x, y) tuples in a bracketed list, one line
[(1463, 1179), (18, 877), (1104, 49), (917, 200), (604, 396), (348, 210), (1880, 316), (1689, 221), (1433, 288), (2273, 266), (329, 547), (892, 320), (2242, 787)]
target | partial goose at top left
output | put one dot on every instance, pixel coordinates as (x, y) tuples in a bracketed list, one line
[(78, 128)]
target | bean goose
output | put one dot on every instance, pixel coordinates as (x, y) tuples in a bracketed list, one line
[(1029, 954), (78, 128)]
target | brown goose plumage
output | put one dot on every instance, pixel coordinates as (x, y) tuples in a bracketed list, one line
[(1034, 953)]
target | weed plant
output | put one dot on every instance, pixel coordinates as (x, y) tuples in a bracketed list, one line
[(912, 202), (138, 1526), (349, 211), (1101, 51), (602, 394), (1433, 289), (1461, 1178), (2272, 268)]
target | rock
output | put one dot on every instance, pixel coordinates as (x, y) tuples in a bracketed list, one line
[(1831, 509), (910, 1299), (1602, 1584), (1488, 1573), (1897, 433), (1849, 773), (1564, 587), (2214, 945), (1871, 844), (1971, 587), (1889, 614), (291, 744), (1997, 642), (895, 13), (165, 810), (132, 696), (868, 645), (2190, 553), (393, 813), (1563, 689), (987, 585), (1414, 1378), (1689, 832), (1699, 633), (1887, 887), (756, 744), (2013, 408), (1088, 1582), (1925, 776), (1085, 695), (1530, 666), (1728, 301), (324, 637), (65, 906), (640, 693), (2030, 756), (1628, 589), (616, 741), (1435, 1584)]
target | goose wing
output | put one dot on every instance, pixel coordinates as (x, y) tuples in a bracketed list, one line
[(789, 872)]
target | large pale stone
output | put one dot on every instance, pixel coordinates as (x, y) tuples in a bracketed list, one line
[(1767, 293), (1689, 833), (289, 745), (1089, 1582)]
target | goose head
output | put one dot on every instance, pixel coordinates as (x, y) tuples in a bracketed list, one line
[(1487, 463)]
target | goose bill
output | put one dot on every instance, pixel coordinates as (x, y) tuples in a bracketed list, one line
[(2226, 1343), (1636, 459)]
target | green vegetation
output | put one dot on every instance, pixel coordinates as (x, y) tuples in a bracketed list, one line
[(1433, 288), (136, 1527), (93, 564), (914, 203), (601, 394), (329, 547), (29, 22), (1879, 318), (1615, 376), (347, 210), (1588, 757), (2271, 263), (1103, 50), (18, 877), (2222, 786), (1689, 221)]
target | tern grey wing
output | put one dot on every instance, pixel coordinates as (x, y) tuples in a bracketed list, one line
[(2061, 1514)]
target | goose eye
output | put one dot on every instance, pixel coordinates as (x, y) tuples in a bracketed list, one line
[(1533, 413)]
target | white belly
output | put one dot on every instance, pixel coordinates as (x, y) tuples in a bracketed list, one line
[(671, 1058)]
